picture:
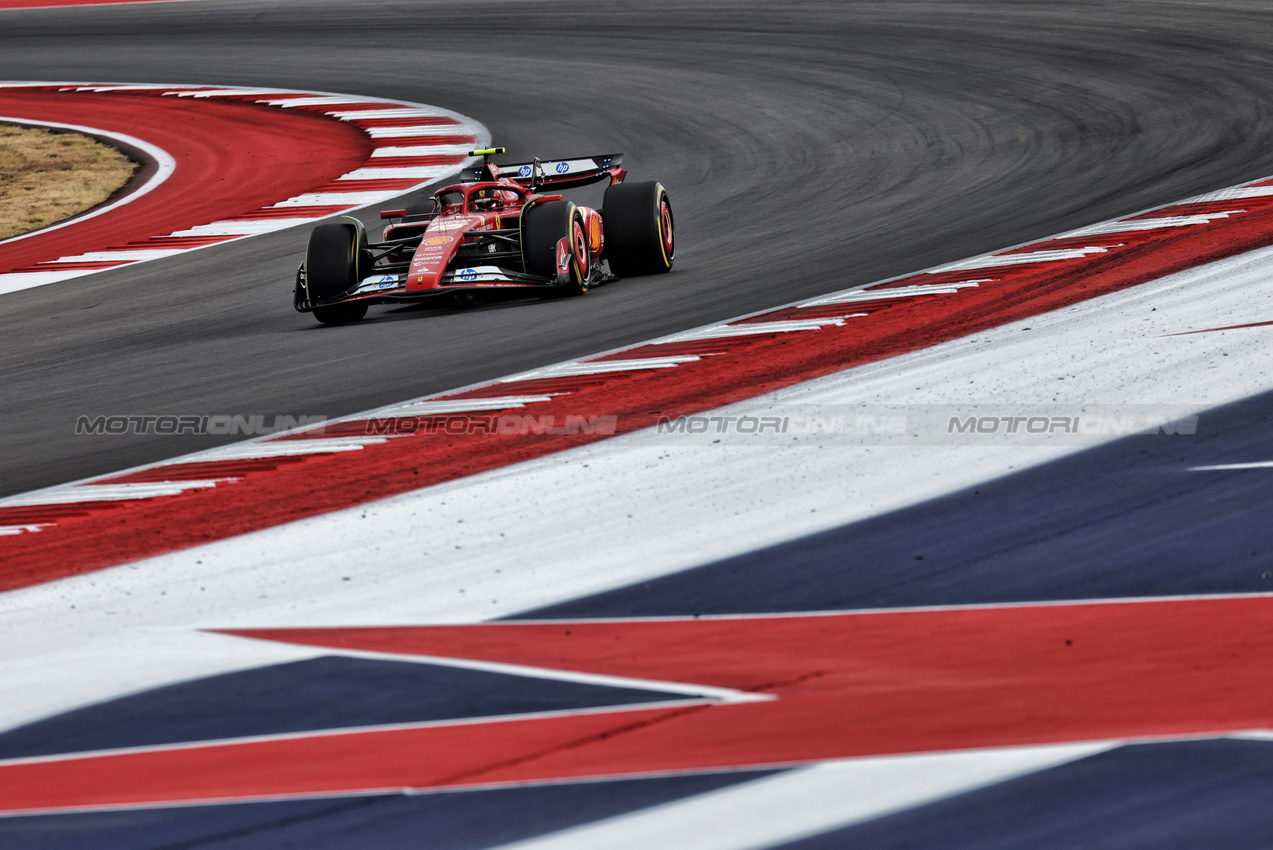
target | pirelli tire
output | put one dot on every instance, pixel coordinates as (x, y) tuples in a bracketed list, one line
[(639, 235), (543, 227), (332, 263)]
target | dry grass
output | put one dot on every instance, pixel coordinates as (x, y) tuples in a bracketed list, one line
[(46, 177)]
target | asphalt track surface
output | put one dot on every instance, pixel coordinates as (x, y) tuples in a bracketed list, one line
[(806, 146)]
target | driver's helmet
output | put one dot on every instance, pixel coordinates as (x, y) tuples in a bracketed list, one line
[(484, 199)]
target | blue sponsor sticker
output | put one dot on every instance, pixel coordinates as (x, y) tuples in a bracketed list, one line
[(468, 274), (563, 167), (524, 171)]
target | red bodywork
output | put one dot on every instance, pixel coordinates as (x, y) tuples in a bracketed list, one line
[(472, 238), (468, 210)]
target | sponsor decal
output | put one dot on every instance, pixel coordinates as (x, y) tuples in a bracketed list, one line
[(468, 274), (524, 171), (563, 167), (438, 240)]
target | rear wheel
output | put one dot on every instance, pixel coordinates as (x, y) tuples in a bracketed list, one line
[(331, 267), (638, 229), (543, 227)]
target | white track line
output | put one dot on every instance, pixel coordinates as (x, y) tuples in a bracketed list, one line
[(889, 294), (459, 405), (87, 493), (808, 801), (608, 366), (755, 328), (996, 260)]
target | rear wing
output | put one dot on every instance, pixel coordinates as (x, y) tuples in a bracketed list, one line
[(555, 173)]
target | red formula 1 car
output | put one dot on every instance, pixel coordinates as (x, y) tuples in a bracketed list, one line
[(493, 232)]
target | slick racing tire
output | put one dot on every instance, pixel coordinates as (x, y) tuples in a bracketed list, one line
[(637, 218), (331, 267), (543, 226)]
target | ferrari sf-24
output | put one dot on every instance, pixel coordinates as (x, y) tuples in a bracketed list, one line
[(497, 230)]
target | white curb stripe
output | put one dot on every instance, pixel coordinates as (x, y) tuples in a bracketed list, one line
[(808, 801), (894, 293), (83, 493), (430, 408), (994, 260)]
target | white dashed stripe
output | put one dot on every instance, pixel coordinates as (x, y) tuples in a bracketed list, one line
[(896, 292), (1149, 224), (1234, 194), (82, 493), (125, 255), (228, 92), (460, 405), (333, 199), (399, 112), (993, 260), (408, 132), (6, 530), (285, 448), (242, 228), (595, 368), (422, 150), (317, 100), (418, 172), (754, 328), (174, 89)]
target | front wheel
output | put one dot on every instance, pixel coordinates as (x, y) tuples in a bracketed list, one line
[(544, 226), (638, 229), (331, 260), (331, 268)]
